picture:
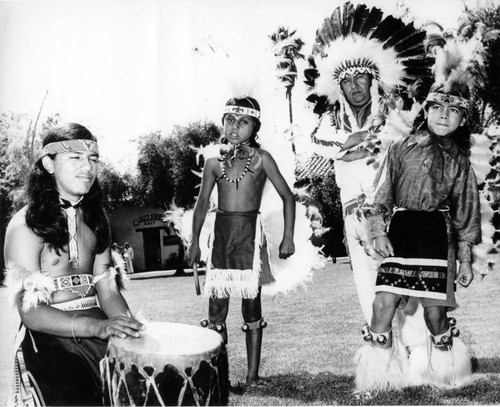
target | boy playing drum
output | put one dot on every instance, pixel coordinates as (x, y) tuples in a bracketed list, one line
[(58, 257)]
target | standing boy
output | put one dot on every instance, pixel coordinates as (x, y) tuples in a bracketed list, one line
[(238, 265), (429, 190)]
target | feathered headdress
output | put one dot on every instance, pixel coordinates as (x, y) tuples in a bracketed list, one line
[(357, 39), (458, 68)]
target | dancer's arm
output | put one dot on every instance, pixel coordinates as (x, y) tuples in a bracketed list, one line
[(287, 246), (201, 208)]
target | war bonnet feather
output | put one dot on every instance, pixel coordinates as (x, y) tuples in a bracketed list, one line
[(358, 39)]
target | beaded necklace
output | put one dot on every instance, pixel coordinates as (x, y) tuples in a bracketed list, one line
[(236, 180)]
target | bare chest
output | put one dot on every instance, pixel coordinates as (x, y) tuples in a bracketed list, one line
[(57, 262)]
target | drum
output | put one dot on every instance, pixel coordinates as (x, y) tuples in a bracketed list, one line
[(170, 364)]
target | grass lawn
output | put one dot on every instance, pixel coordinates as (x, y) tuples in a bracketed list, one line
[(310, 340)]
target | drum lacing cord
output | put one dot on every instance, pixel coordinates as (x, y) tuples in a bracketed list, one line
[(150, 382), (106, 377), (114, 386), (189, 380)]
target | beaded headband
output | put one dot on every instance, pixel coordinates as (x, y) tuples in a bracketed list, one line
[(69, 146), (452, 100), (242, 110), (356, 66)]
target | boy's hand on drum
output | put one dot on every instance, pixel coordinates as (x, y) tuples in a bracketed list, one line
[(119, 326)]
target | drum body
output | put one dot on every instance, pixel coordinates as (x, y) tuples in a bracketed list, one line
[(170, 364)]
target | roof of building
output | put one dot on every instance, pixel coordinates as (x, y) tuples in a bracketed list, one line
[(314, 166)]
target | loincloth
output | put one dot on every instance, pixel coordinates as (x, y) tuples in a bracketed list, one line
[(238, 263), (54, 370), (423, 264)]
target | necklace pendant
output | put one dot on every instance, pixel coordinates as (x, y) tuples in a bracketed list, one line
[(235, 180)]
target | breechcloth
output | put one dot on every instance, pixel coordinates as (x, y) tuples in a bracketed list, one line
[(423, 264), (239, 262), (58, 370)]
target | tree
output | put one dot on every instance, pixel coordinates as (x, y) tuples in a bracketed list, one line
[(325, 195), (117, 188), (484, 21), (287, 48), (19, 145), (166, 165)]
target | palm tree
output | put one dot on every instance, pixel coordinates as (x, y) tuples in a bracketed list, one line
[(287, 48)]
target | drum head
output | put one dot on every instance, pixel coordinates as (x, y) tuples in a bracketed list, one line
[(165, 342)]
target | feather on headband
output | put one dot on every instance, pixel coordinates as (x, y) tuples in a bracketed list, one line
[(459, 66)]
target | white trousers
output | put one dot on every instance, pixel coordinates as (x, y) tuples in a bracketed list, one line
[(363, 266)]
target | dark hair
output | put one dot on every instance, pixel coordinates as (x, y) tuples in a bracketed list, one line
[(246, 101), (43, 216), (463, 135)]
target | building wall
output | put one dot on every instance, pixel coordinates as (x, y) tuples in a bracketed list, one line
[(141, 226)]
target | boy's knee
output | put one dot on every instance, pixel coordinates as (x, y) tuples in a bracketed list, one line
[(251, 309), (436, 319), (218, 309), (384, 303)]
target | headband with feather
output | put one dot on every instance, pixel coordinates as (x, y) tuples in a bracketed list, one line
[(458, 67)]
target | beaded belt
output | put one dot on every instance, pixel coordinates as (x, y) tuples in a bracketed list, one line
[(66, 282), (78, 304), (77, 283)]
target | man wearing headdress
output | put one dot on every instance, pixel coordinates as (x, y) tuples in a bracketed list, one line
[(361, 66)]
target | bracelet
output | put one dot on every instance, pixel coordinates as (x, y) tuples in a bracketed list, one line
[(73, 329)]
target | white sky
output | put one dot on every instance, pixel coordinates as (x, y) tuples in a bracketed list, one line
[(125, 68)]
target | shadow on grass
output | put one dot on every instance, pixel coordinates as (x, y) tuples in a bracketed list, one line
[(486, 365), (329, 389)]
